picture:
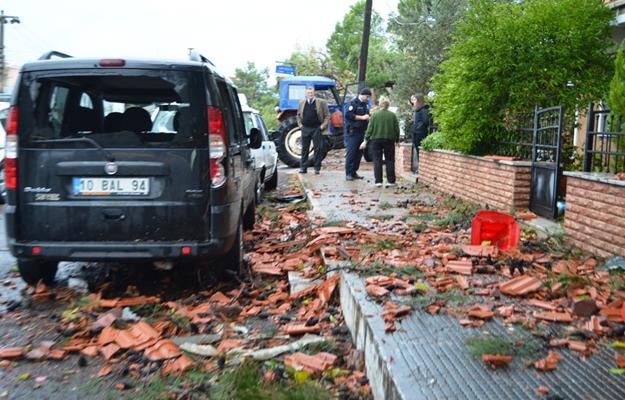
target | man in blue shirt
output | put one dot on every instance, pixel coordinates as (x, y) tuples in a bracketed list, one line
[(357, 118)]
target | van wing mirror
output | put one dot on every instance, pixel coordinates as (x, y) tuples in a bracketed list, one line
[(256, 138)]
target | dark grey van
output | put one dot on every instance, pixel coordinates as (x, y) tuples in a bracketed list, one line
[(117, 159)]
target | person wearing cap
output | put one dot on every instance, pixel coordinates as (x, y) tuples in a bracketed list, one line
[(357, 118)]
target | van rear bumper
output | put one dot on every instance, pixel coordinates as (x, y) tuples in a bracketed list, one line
[(119, 251)]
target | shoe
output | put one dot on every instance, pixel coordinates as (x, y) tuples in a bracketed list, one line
[(349, 178), (379, 184), (302, 171), (391, 184), (317, 172), (356, 176)]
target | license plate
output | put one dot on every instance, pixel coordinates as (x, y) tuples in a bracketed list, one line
[(111, 186)]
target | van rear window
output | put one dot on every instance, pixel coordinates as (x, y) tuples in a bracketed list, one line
[(115, 108)]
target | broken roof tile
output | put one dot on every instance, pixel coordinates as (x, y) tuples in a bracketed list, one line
[(496, 360), (12, 353), (480, 251), (520, 286), (480, 312), (313, 364), (548, 363), (163, 350), (301, 328), (376, 291), (554, 316), (464, 267)]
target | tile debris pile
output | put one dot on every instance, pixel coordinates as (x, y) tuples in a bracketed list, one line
[(534, 286), (215, 329)]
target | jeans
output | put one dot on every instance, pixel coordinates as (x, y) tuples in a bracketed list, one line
[(314, 135), (353, 154), (386, 147)]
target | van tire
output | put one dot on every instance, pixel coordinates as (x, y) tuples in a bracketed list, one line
[(232, 261), (272, 183), (249, 217), (32, 271)]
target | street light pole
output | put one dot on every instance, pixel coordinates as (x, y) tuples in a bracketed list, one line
[(3, 20)]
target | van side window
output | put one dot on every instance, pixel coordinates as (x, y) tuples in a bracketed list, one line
[(85, 101), (228, 111), (238, 115)]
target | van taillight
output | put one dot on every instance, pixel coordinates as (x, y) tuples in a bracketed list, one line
[(10, 159), (218, 142)]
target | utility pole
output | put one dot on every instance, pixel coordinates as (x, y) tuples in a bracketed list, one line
[(364, 48), (3, 20)]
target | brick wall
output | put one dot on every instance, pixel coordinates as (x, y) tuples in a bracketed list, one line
[(501, 185), (403, 157), (595, 214)]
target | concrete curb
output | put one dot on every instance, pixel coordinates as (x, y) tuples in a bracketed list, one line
[(363, 318)]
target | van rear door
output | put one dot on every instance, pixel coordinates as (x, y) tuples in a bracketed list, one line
[(115, 154)]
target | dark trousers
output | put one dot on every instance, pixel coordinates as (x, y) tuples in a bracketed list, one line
[(353, 154), (312, 135), (386, 147)]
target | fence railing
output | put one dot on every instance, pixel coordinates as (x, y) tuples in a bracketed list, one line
[(604, 150)]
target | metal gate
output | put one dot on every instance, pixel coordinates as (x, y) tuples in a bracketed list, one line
[(546, 153)]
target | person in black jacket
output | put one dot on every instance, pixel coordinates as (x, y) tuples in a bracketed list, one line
[(357, 118), (420, 127)]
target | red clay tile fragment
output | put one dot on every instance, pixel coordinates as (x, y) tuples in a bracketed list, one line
[(301, 328), (104, 371), (460, 267), (220, 298), (12, 353), (542, 304), (326, 289), (177, 366), (109, 350), (558, 342), (620, 360), (576, 345), (163, 350), (480, 251), (310, 363), (90, 351), (555, 316), (376, 291), (520, 286), (542, 390), (433, 309), (480, 312), (496, 360), (548, 363), (462, 282)]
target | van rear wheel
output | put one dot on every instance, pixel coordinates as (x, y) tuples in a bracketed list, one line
[(232, 261), (32, 271)]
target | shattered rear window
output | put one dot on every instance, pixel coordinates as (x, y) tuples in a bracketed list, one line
[(115, 108)]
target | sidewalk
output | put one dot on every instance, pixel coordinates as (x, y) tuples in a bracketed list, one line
[(427, 356)]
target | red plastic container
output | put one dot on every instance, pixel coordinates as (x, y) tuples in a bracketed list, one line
[(499, 229)]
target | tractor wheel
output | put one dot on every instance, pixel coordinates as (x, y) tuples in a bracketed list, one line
[(289, 143)]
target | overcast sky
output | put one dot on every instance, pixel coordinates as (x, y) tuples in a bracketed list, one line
[(228, 32)]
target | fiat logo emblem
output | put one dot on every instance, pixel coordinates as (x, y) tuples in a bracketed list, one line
[(110, 168)]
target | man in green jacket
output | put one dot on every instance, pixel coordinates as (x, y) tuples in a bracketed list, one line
[(383, 133)]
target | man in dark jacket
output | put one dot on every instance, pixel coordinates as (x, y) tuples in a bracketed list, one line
[(420, 127), (313, 118), (357, 118)]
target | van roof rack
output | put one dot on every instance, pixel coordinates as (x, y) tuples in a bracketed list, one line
[(53, 53), (194, 55)]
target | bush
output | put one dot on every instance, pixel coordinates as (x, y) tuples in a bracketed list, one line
[(508, 57)]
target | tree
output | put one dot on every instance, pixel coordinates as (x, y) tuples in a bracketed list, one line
[(616, 98), (254, 84), (508, 57), (344, 47), (313, 61), (422, 32)]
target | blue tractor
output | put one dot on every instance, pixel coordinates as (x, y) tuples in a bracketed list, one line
[(288, 137)]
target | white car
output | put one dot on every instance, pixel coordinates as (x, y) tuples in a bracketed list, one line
[(265, 157)]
